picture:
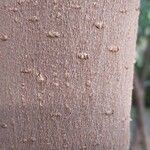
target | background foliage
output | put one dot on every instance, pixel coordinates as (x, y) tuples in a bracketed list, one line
[(142, 45)]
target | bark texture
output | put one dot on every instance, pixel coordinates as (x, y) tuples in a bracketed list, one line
[(66, 70)]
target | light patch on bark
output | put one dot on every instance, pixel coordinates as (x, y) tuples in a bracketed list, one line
[(40, 78), (113, 48), (53, 34), (4, 37), (21, 1), (3, 125), (123, 11), (83, 56), (33, 19), (99, 25), (75, 6), (26, 70)]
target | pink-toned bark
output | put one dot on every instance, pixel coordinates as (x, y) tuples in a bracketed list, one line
[(66, 70)]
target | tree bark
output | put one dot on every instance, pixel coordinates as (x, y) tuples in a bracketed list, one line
[(66, 73)]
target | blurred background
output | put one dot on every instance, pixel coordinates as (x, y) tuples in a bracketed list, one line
[(140, 114)]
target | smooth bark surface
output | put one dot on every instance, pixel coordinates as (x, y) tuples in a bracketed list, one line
[(66, 70)]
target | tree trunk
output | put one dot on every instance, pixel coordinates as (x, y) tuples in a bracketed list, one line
[(66, 73)]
